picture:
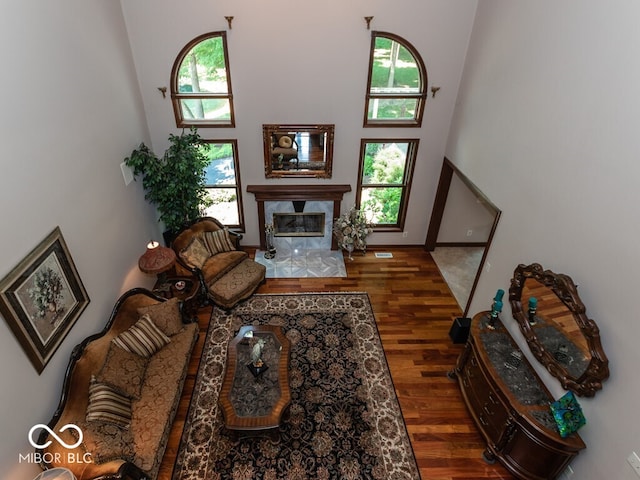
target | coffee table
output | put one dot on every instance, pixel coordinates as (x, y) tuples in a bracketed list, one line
[(256, 403)]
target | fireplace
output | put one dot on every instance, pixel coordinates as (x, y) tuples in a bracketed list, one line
[(324, 198), (299, 224)]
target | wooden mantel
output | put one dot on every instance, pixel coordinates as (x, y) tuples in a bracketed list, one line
[(273, 193)]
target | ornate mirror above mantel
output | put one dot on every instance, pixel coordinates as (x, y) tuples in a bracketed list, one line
[(298, 150), (554, 322)]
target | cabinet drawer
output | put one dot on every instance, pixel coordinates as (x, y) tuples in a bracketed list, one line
[(490, 411)]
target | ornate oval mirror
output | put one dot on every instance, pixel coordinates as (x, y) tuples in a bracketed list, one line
[(553, 320), (298, 150)]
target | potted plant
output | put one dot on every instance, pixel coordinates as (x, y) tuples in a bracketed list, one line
[(175, 183), (351, 230)]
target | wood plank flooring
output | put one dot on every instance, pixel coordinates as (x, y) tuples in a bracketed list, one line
[(414, 310)]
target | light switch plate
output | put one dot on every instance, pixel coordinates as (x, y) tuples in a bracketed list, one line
[(127, 174), (634, 461)]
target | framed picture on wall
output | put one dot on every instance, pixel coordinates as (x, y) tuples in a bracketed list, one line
[(42, 297)]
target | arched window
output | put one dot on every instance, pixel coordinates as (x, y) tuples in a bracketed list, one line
[(397, 85), (201, 83)]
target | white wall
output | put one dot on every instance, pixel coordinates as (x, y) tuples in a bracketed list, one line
[(547, 126), (464, 212), (70, 113), (294, 62)]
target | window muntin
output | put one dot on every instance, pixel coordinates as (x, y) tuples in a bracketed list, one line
[(397, 84), (201, 83), (384, 180), (223, 183)]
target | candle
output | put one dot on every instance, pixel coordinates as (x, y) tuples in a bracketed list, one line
[(497, 306), (499, 295), (533, 303)]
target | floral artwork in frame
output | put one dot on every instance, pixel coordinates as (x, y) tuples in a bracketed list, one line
[(42, 297)]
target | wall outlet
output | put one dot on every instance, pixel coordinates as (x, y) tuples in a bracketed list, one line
[(568, 473), (634, 461), (405, 234), (469, 232)]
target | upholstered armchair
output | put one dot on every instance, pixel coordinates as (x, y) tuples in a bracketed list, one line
[(284, 144), (210, 252)]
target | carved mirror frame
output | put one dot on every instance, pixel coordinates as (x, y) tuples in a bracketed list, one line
[(589, 381), (318, 142)]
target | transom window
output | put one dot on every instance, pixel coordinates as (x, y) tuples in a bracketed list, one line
[(223, 183), (201, 83), (397, 85), (384, 181)]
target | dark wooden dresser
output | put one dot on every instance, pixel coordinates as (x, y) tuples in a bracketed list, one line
[(510, 405)]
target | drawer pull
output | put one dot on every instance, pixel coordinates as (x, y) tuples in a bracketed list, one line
[(465, 382), (487, 411), (493, 399), (483, 421)]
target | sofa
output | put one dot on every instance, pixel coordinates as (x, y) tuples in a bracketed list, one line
[(121, 391), (210, 252)]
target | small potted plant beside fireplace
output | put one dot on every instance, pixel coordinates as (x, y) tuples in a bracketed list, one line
[(351, 230)]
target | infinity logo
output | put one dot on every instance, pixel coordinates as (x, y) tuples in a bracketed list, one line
[(53, 434)]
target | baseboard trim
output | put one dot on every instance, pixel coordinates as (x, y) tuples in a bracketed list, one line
[(461, 244)]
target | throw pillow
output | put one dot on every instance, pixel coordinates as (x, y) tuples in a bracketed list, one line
[(106, 442), (143, 338), (567, 414), (285, 142), (166, 315), (107, 405), (218, 242), (194, 254), (123, 371)]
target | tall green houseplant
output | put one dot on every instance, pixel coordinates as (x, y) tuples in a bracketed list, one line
[(175, 183)]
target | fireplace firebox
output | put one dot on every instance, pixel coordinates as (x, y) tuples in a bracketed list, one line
[(298, 224)]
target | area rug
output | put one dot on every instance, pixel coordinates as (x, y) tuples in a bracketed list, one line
[(344, 420)]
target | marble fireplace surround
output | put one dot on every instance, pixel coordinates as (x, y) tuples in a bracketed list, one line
[(274, 194)]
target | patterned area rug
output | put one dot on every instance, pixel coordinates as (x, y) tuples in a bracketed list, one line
[(344, 420)]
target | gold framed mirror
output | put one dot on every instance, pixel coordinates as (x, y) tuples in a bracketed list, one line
[(554, 322), (298, 150)]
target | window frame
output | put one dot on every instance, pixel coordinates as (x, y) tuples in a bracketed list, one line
[(407, 180), (237, 185), (420, 96), (177, 96)]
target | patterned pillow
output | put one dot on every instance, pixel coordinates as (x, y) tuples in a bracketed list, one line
[(195, 254), (123, 371), (567, 414), (218, 241), (105, 441), (144, 338), (166, 316), (107, 405)]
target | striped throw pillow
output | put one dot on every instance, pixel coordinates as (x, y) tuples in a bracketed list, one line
[(107, 405), (218, 241), (144, 338)]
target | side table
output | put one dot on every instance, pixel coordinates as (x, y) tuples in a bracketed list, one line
[(186, 289)]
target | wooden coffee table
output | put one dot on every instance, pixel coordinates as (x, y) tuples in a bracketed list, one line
[(250, 403)]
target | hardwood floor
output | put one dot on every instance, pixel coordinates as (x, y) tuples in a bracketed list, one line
[(414, 310)]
